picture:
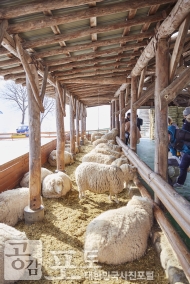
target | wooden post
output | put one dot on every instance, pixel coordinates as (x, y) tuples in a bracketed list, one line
[(113, 114), (127, 94), (122, 115), (72, 128), (133, 126), (60, 134), (81, 125), (117, 123), (161, 116), (35, 211), (77, 124), (84, 119)]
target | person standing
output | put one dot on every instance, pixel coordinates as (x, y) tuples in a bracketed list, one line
[(127, 131), (186, 122), (185, 160)]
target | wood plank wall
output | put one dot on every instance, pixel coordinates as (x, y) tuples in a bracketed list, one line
[(12, 172)]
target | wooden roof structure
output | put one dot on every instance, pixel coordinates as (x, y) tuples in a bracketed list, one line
[(90, 49)]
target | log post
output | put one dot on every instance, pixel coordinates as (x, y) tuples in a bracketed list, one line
[(81, 124), (72, 128), (35, 211), (77, 124), (113, 114), (117, 123), (60, 134), (127, 94), (122, 115), (161, 116), (133, 126)]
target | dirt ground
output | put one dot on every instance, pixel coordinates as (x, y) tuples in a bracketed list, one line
[(62, 233)]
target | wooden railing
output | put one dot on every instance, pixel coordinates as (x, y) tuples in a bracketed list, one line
[(12, 172)]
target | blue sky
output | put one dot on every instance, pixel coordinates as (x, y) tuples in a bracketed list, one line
[(97, 117)]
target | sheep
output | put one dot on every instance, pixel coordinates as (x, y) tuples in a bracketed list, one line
[(98, 158), (98, 134), (120, 161), (52, 160), (98, 141), (109, 146), (9, 233), (12, 204), (106, 151), (111, 135), (56, 185), (25, 180), (100, 178), (131, 174), (120, 235)]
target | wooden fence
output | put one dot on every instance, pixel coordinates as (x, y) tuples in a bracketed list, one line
[(12, 172)]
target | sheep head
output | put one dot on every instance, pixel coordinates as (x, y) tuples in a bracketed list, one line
[(57, 185)]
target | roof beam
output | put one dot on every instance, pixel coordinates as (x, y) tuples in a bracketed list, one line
[(80, 15), (99, 80), (88, 31), (169, 25), (98, 44)]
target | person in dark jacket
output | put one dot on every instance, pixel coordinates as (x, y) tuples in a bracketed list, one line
[(185, 161), (186, 121)]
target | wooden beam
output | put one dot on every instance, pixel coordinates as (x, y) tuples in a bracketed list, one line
[(25, 64), (90, 56), (133, 122), (96, 44), (116, 72), (44, 84), (171, 91), (178, 47), (77, 15), (168, 26), (146, 95), (122, 115), (15, 76), (3, 28), (94, 61), (99, 80), (60, 93), (141, 82)]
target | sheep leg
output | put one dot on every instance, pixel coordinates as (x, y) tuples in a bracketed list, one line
[(116, 200), (81, 194)]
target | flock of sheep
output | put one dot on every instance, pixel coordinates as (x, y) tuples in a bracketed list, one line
[(118, 235)]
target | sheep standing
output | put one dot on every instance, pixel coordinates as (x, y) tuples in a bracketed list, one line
[(56, 185), (100, 178), (109, 146), (107, 151), (25, 180), (120, 161), (12, 204), (98, 158), (52, 159), (8, 233), (120, 235), (111, 135), (97, 135)]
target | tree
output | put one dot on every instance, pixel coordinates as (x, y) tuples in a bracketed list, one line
[(49, 106), (17, 95)]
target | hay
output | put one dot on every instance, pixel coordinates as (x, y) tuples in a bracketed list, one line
[(63, 229)]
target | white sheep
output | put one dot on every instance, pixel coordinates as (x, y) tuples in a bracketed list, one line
[(9, 233), (111, 135), (98, 141), (52, 159), (109, 146), (120, 161), (12, 204), (107, 151), (98, 158), (56, 185), (120, 235), (97, 135), (100, 178), (25, 180)]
